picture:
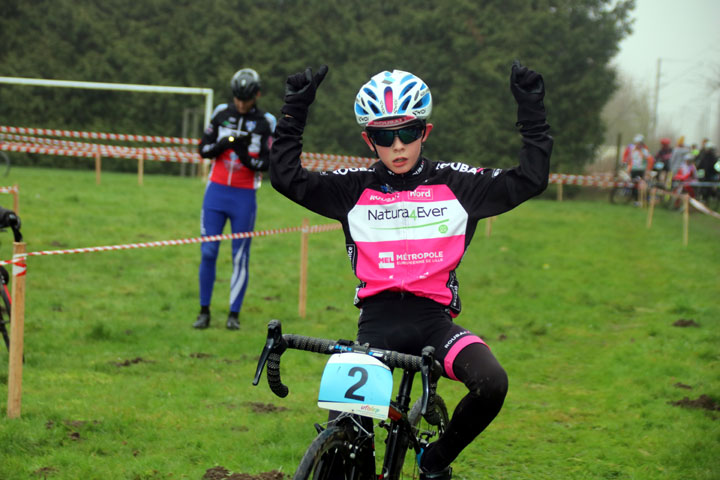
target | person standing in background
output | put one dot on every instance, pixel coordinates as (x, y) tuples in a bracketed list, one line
[(238, 141), (677, 159), (662, 159)]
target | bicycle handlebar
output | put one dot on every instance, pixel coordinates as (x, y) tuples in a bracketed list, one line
[(277, 343)]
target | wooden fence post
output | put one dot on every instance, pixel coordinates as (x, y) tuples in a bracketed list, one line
[(653, 191), (98, 163), (559, 192), (488, 226), (642, 193), (302, 294), (141, 168), (16, 199), (686, 218), (17, 326)]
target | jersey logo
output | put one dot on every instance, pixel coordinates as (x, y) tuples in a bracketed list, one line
[(386, 260)]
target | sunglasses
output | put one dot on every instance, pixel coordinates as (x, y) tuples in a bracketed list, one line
[(385, 138)]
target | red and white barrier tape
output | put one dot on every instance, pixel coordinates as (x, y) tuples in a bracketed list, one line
[(703, 208), (696, 204), (104, 151), (24, 139), (185, 241), (98, 135), (12, 189), (344, 161), (600, 180)]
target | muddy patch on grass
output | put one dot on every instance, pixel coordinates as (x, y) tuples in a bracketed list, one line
[(200, 355), (703, 402), (44, 472), (259, 407), (685, 322), (682, 385), (134, 361), (222, 473)]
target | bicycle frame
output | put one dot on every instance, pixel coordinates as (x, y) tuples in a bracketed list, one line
[(395, 450), (8, 218), (401, 433)]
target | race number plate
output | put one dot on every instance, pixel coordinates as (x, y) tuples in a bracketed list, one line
[(356, 383)]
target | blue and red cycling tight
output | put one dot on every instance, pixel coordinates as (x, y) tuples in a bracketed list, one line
[(222, 203)]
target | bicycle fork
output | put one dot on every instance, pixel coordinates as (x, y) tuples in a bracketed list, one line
[(400, 433)]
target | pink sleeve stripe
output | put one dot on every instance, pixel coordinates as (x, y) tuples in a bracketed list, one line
[(456, 349)]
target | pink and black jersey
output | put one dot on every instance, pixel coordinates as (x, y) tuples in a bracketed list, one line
[(408, 233)]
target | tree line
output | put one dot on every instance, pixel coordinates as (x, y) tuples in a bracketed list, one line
[(462, 49)]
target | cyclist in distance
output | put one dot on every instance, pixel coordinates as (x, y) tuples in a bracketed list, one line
[(238, 141), (408, 221), (638, 159)]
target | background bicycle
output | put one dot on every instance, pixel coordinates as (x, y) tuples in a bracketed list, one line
[(8, 219), (4, 164), (357, 386)]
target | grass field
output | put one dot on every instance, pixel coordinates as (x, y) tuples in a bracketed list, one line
[(578, 300)]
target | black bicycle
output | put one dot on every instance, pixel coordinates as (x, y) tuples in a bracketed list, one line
[(345, 446), (8, 219), (4, 164)]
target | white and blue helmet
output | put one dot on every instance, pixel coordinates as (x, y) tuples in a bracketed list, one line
[(392, 98)]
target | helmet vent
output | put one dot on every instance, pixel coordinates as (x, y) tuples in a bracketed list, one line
[(407, 88), (422, 102), (370, 94), (388, 99)]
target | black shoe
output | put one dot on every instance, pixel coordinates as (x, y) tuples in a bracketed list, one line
[(444, 474), (203, 321), (232, 323)]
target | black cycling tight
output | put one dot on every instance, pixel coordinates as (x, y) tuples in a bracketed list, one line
[(407, 323)]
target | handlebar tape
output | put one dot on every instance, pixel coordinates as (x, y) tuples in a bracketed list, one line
[(273, 376)]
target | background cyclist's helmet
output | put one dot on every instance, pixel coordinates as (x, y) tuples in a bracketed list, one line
[(392, 98), (665, 141), (245, 84), (638, 138)]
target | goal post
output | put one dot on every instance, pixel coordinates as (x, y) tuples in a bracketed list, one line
[(128, 87)]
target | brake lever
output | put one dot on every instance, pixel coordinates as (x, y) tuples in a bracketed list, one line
[(272, 344), (428, 359)]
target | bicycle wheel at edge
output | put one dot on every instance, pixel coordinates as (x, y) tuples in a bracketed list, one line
[(4, 315), (4, 164), (621, 195), (435, 420), (328, 455)]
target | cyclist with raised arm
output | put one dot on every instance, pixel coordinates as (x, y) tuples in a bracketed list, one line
[(408, 221)]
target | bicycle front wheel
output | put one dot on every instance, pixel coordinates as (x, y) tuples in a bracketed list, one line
[(333, 455), (428, 427)]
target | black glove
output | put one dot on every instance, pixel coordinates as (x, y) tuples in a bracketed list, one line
[(257, 164), (240, 144), (528, 88), (220, 146), (300, 91)]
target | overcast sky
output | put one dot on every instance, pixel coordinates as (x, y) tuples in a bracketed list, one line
[(685, 36)]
